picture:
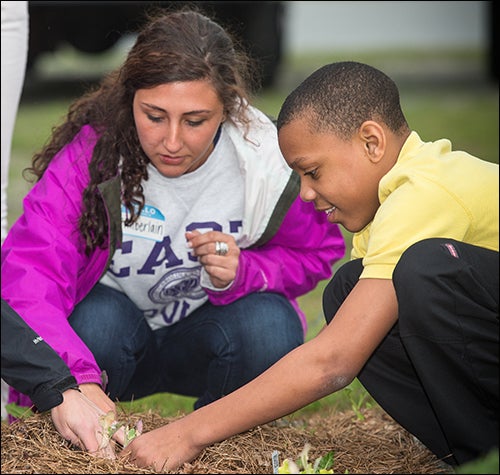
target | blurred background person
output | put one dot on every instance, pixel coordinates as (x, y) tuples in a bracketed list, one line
[(14, 58)]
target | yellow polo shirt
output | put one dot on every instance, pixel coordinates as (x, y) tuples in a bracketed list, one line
[(431, 191)]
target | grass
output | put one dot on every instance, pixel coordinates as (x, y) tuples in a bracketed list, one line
[(444, 94)]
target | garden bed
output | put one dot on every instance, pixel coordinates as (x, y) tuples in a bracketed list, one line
[(373, 443)]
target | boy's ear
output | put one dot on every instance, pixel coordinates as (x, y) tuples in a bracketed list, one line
[(374, 140)]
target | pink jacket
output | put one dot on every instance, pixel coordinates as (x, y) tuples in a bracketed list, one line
[(45, 271)]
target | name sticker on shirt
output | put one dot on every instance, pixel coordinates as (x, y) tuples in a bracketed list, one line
[(150, 225)]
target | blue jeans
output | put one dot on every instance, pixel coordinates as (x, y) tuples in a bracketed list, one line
[(212, 352)]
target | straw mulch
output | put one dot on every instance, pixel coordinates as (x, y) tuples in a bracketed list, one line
[(375, 444)]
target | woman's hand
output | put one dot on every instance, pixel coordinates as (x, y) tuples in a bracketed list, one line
[(218, 253), (77, 419)]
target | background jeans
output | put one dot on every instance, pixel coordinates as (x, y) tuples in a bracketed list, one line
[(210, 353)]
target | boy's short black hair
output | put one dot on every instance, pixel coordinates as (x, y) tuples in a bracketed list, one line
[(339, 97)]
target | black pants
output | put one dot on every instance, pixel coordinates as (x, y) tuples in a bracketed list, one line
[(436, 372)]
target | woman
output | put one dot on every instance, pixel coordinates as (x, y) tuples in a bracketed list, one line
[(164, 244)]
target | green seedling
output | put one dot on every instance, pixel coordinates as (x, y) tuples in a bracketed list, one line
[(110, 426), (302, 465)]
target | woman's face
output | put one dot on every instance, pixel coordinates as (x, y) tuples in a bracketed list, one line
[(176, 124)]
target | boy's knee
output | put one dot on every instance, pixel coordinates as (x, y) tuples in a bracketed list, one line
[(419, 275), (340, 286)]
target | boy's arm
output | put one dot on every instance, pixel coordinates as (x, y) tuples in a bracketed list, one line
[(325, 364)]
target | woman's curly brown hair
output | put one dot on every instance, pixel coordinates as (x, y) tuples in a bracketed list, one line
[(177, 46)]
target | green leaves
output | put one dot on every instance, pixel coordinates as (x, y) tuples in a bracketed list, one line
[(19, 412), (132, 432), (302, 465), (110, 426)]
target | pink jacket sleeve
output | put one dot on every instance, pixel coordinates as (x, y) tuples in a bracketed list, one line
[(292, 263), (44, 268)]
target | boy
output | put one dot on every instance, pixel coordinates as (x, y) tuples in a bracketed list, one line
[(414, 314)]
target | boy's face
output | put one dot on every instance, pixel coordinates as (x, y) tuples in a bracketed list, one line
[(335, 174)]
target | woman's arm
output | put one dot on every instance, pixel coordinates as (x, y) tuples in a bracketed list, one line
[(43, 257), (292, 263)]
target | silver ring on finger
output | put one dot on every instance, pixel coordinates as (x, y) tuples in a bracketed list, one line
[(221, 248)]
